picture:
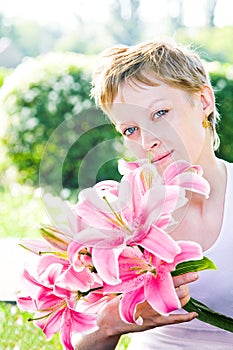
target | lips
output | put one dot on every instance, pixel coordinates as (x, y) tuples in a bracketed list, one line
[(162, 157)]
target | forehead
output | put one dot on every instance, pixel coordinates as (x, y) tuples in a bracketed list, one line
[(136, 98), (131, 89)]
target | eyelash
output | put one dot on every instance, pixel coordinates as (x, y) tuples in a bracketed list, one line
[(132, 128), (159, 115)]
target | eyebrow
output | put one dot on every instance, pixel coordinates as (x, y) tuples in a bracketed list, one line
[(156, 100)]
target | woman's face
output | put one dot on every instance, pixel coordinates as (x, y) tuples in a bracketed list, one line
[(163, 120)]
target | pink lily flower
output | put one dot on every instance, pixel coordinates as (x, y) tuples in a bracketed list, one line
[(54, 270), (107, 186), (79, 256), (180, 173), (146, 277), (125, 167), (130, 219), (55, 310), (62, 316), (186, 175)]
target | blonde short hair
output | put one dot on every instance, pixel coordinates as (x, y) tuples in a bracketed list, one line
[(175, 65)]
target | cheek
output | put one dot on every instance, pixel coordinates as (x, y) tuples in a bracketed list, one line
[(193, 141), (135, 149)]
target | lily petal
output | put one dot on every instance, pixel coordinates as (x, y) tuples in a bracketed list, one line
[(125, 167), (128, 305), (73, 250), (192, 182), (189, 251), (92, 208), (35, 246), (93, 237), (52, 324), (159, 201), (159, 243), (46, 299), (188, 176), (160, 293), (73, 280), (109, 186), (106, 263), (26, 303), (83, 322), (127, 285), (175, 169), (47, 260), (66, 330)]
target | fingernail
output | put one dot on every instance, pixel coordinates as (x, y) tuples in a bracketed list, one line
[(194, 275)]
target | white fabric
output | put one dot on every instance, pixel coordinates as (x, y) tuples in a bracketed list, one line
[(214, 288)]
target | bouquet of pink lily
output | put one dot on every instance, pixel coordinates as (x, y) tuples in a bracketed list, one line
[(116, 243)]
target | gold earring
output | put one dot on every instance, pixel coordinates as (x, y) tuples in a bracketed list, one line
[(206, 123)]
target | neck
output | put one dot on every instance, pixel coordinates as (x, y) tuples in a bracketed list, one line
[(213, 169), (215, 173)]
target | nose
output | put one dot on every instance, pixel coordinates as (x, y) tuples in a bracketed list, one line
[(149, 141)]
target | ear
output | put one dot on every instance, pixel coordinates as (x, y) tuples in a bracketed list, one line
[(207, 100)]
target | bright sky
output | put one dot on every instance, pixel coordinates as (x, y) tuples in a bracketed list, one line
[(64, 11)]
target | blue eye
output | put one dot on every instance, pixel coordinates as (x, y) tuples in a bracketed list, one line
[(130, 131), (160, 113)]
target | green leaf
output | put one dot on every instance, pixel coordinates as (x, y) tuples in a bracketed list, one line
[(209, 316), (193, 266)]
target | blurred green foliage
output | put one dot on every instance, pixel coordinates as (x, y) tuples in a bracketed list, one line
[(213, 43), (22, 211), (222, 81), (17, 333), (4, 72), (46, 102)]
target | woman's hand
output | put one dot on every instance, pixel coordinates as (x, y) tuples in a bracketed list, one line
[(150, 317), (111, 326)]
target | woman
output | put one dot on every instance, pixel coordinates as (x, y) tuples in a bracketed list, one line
[(160, 99)]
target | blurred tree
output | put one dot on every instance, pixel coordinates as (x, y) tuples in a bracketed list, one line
[(125, 24), (32, 38), (214, 44), (175, 16), (210, 7), (27, 36), (88, 38), (53, 126)]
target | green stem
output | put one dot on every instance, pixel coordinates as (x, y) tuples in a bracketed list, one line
[(209, 316)]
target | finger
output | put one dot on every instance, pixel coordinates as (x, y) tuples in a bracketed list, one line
[(185, 278), (182, 291), (183, 294), (179, 318)]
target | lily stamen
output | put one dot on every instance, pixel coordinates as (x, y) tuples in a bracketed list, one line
[(117, 215), (60, 254), (39, 318)]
